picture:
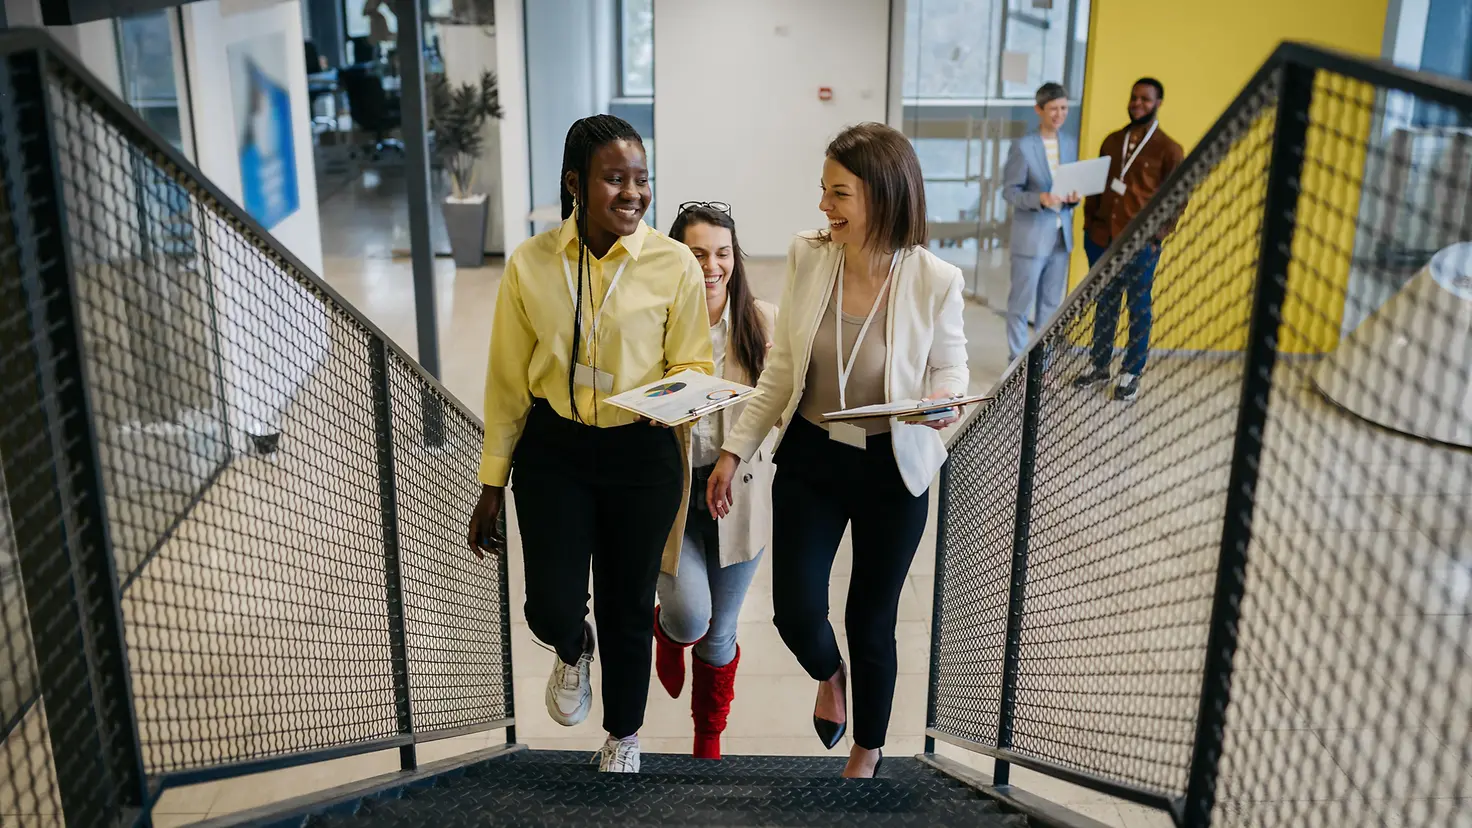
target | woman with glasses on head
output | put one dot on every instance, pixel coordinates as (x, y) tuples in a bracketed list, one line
[(868, 316), (708, 566)]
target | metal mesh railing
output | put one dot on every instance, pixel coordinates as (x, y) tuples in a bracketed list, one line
[(1244, 594), (281, 490)]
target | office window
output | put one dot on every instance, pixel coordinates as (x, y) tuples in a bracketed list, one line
[(971, 68), (358, 17), (1036, 39), (636, 48), (146, 55), (950, 49)]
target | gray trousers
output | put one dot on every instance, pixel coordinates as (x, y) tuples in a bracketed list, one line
[(1037, 289)]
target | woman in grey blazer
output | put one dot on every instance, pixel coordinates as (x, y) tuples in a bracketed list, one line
[(1042, 223)]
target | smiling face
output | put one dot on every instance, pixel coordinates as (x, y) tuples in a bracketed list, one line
[(1144, 103), (845, 202), (716, 252), (1053, 113), (618, 187)]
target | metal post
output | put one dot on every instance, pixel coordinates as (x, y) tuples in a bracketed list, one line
[(383, 426), (415, 127), (49, 454), (508, 686), (937, 601), (416, 170), (1021, 530), (1290, 135)]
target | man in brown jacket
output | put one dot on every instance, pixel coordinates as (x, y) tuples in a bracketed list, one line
[(1143, 158)]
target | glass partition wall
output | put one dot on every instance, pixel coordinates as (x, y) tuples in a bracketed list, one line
[(971, 68)]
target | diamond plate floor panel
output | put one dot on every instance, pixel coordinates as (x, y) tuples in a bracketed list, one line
[(542, 789)]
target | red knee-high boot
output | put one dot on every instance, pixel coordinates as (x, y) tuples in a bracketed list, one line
[(669, 660), (711, 692)]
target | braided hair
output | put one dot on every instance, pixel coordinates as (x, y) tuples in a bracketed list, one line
[(584, 138)]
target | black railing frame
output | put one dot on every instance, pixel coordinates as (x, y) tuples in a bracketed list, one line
[(1290, 142), (393, 574), (1032, 404), (35, 48), (937, 604), (1295, 65), (64, 544)]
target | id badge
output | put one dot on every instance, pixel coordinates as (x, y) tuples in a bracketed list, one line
[(848, 434), (589, 377), (1117, 186)]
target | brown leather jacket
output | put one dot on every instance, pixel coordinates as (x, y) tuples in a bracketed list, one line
[(1106, 215)]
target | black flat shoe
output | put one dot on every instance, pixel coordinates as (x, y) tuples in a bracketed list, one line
[(878, 763), (829, 733)]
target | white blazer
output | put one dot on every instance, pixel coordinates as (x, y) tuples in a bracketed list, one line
[(926, 350), (747, 529)]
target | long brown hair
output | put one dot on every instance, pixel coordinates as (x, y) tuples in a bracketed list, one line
[(883, 158), (748, 331)]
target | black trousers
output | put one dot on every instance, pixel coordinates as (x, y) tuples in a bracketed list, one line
[(822, 487), (605, 497)]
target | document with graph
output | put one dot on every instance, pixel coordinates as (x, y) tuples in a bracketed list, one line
[(681, 398)]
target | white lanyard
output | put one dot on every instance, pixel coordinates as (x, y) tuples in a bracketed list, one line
[(853, 356), (577, 304), (1146, 140)]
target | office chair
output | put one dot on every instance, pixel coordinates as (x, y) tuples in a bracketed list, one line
[(361, 50), (372, 109), (314, 58)]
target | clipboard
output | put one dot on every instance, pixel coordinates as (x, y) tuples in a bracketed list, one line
[(902, 408), (679, 399)]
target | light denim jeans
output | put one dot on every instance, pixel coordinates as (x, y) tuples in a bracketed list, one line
[(703, 602)]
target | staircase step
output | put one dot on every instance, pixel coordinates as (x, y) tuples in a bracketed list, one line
[(866, 796), (537, 789), (786, 768), (519, 814), (646, 785)]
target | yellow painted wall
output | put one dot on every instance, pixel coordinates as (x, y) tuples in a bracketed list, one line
[(1205, 51)]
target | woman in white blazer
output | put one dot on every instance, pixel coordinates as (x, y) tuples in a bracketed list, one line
[(868, 316), (708, 565)]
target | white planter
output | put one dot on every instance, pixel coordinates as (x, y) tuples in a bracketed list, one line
[(468, 52)]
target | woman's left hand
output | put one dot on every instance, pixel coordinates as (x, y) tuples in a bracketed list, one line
[(955, 411)]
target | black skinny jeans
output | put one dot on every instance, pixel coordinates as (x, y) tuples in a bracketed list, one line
[(605, 496), (821, 487)]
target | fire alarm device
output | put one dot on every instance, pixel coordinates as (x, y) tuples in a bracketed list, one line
[(825, 93)]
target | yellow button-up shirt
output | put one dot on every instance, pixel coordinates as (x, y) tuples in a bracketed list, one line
[(654, 324)]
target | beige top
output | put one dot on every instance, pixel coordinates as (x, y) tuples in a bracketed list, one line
[(865, 384), (710, 431)]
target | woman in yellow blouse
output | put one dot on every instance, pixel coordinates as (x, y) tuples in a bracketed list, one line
[(596, 307)]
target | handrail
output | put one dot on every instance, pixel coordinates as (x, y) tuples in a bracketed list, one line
[(1156, 567), (1439, 88), (187, 175), (88, 182)]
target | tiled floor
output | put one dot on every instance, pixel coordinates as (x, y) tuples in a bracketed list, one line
[(1341, 537)]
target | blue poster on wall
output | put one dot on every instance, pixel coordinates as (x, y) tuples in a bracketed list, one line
[(263, 129)]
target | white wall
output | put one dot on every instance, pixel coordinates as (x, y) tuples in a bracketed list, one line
[(736, 110), (209, 31), (511, 77)]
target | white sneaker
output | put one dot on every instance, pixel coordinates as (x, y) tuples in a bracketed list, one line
[(619, 755), (570, 688)]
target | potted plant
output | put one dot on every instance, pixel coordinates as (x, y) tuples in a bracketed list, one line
[(457, 116)]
